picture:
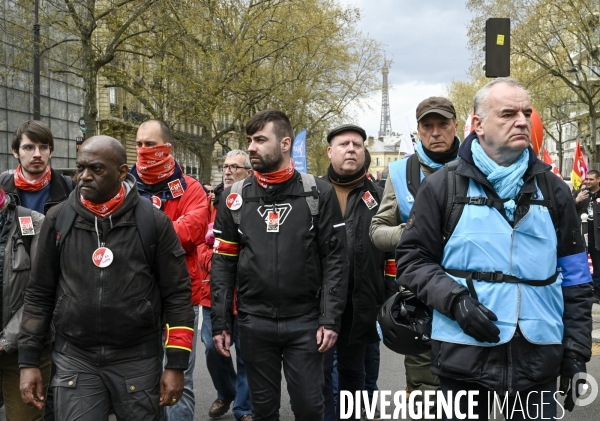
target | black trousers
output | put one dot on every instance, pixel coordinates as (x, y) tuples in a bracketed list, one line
[(86, 392), (595, 255), (268, 343), (350, 364)]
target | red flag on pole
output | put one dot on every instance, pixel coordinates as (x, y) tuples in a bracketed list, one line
[(549, 160)]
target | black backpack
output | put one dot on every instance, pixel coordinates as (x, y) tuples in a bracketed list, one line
[(144, 220)]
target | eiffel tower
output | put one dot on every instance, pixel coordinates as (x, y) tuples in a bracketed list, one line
[(385, 128)]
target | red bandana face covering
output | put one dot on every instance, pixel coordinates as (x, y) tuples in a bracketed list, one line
[(275, 177), (155, 164), (24, 184), (106, 208)]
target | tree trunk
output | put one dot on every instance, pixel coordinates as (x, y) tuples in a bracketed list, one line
[(90, 81), (592, 148)]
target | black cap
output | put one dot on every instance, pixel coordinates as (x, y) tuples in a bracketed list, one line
[(347, 128)]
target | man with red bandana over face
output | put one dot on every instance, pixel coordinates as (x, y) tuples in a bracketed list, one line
[(183, 199)]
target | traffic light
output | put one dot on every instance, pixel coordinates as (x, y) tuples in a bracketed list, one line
[(497, 47)]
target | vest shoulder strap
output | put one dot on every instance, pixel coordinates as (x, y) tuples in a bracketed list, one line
[(27, 239), (544, 183), (456, 186), (144, 220), (413, 174)]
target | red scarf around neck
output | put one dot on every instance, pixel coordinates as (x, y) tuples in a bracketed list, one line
[(24, 184), (155, 164), (275, 177), (106, 208)]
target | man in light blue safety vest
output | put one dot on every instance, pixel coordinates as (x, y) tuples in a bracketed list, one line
[(507, 274), (437, 145)]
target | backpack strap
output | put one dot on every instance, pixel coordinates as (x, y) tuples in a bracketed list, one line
[(310, 186), (413, 174), (236, 214), (456, 186), (549, 201), (26, 239), (146, 226), (144, 220), (64, 222)]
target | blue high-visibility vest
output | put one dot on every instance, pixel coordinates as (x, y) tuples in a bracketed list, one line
[(403, 196), (484, 241)]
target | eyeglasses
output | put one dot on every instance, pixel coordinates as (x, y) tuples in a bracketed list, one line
[(233, 168), (29, 148)]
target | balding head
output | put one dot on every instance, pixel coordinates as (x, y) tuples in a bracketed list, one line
[(153, 133), (102, 167)]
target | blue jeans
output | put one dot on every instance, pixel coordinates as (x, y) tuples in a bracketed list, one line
[(228, 384), (267, 343), (184, 409), (372, 357)]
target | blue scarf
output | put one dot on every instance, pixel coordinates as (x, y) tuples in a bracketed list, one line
[(507, 181), (425, 159)]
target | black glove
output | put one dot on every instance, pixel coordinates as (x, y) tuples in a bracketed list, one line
[(475, 319), (572, 363)]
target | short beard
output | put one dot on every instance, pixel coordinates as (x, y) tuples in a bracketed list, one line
[(269, 163)]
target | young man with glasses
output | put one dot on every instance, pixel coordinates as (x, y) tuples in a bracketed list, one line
[(34, 184)]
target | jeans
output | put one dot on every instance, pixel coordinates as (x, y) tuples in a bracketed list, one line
[(350, 365), (595, 255), (84, 391), (372, 358), (228, 384), (184, 409), (16, 410), (266, 344), (532, 405)]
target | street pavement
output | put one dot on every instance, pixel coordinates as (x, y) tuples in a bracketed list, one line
[(391, 377)]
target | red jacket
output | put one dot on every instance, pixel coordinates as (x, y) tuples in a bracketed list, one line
[(189, 214), (205, 253)]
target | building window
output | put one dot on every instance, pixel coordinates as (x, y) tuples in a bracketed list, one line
[(377, 162), (112, 94)]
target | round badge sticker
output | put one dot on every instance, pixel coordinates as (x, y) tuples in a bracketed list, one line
[(234, 201), (156, 202), (102, 257)]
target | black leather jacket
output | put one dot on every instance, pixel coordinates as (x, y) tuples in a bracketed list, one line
[(286, 273)]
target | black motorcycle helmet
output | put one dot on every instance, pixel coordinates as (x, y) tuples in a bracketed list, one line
[(404, 324)]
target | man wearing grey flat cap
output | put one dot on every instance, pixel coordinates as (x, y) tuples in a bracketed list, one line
[(438, 144)]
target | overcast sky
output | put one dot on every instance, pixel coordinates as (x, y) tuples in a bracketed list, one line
[(427, 39)]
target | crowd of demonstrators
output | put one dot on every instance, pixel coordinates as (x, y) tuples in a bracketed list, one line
[(587, 203), (96, 280), (368, 282), (292, 270), (280, 238), (438, 144), (507, 277), (231, 387), (160, 179)]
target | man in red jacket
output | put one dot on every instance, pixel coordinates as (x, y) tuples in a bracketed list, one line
[(183, 199), (231, 387)]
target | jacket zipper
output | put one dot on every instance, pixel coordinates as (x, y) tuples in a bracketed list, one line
[(100, 293)]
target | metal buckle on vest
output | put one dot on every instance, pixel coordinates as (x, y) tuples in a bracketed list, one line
[(477, 200)]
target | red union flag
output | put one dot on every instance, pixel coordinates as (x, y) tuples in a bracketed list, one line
[(580, 168), (549, 160)]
